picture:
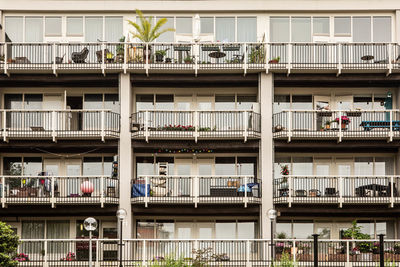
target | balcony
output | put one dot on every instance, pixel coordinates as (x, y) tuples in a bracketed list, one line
[(226, 252), (196, 125), (200, 58), (196, 190), (337, 125), (59, 124), (340, 190), (57, 190)]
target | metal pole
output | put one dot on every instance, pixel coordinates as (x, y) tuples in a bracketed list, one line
[(120, 244), (90, 249), (381, 254), (272, 243), (315, 250)]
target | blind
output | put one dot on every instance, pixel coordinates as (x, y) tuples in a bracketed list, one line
[(225, 29), (93, 29), (247, 29), (113, 29), (34, 29)]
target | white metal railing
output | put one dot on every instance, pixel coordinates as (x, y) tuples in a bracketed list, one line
[(340, 189), (54, 190), (200, 56), (338, 124), (196, 124), (202, 252), (196, 189), (53, 124)]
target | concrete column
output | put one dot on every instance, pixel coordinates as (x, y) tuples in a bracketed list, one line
[(125, 152), (266, 149), (397, 27)]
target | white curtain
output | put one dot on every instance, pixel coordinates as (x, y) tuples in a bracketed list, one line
[(34, 29), (247, 29), (32, 230), (14, 28), (58, 230), (113, 29), (225, 29), (93, 29), (279, 29)]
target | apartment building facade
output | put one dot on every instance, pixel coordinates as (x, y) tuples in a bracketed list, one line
[(193, 134)]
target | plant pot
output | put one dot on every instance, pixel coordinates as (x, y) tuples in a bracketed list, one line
[(159, 58), (344, 126), (168, 60), (120, 58), (273, 61)]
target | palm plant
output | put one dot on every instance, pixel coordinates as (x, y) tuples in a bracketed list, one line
[(146, 32)]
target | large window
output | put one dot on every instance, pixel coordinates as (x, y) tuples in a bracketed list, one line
[(246, 29), (14, 28), (74, 26), (321, 25), (207, 25), (279, 29), (183, 25), (382, 29), (34, 29), (53, 26), (225, 29), (301, 29), (93, 29), (113, 29), (361, 29), (167, 36), (342, 25)]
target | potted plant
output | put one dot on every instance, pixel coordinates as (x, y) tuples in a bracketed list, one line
[(327, 125), (188, 60), (148, 30), (285, 172), (344, 121), (120, 50), (160, 54), (257, 55), (275, 60)]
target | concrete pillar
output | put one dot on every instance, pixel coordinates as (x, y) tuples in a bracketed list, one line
[(125, 152), (397, 27), (266, 149)]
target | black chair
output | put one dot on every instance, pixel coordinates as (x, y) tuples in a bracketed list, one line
[(80, 57), (331, 192)]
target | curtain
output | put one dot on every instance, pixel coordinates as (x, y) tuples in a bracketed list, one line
[(32, 230), (34, 29), (14, 28), (53, 26), (74, 26), (93, 29), (247, 29), (361, 29), (279, 29), (301, 29), (207, 25), (58, 230), (225, 29), (382, 29), (113, 29)]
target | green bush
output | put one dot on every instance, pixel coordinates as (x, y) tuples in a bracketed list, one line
[(8, 246)]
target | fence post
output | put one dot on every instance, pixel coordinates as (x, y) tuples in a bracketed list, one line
[(315, 249), (146, 191), (245, 125), (340, 191), (245, 199), (53, 200), (347, 253), (195, 194), (3, 192), (54, 59), (339, 57), (391, 192), (4, 126), (381, 254), (53, 125), (245, 59), (102, 193), (102, 125), (97, 254), (248, 263), (290, 190), (196, 125), (125, 66), (147, 59), (340, 127), (290, 114), (144, 255), (391, 125), (45, 254), (146, 125)]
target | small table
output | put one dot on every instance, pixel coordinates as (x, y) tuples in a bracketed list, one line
[(217, 55)]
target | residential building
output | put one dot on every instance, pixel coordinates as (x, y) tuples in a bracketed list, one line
[(191, 137)]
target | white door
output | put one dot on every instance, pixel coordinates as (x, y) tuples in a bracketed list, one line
[(50, 103), (182, 183)]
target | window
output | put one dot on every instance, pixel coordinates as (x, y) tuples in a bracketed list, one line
[(246, 102), (247, 166), (165, 229), (321, 25), (279, 163), (145, 229), (144, 166), (302, 166), (281, 102), (14, 28), (363, 102), (382, 29), (363, 166), (302, 102), (183, 25), (225, 166), (283, 230), (224, 102), (342, 26), (361, 29), (301, 29), (92, 166), (303, 230), (207, 25), (93, 29), (33, 29), (12, 165), (32, 230), (113, 29), (246, 230), (57, 230), (13, 101), (279, 29), (33, 101), (82, 233), (164, 102), (111, 101), (225, 29), (93, 101), (74, 26), (53, 26), (225, 230), (246, 29), (384, 166), (144, 102), (32, 165), (167, 36)]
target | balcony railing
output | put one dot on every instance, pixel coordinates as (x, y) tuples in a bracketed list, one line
[(196, 189), (212, 252), (200, 57), (54, 190), (59, 124), (333, 124), (339, 190), (196, 124)]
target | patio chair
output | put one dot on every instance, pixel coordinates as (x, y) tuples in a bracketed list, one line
[(99, 55), (80, 57)]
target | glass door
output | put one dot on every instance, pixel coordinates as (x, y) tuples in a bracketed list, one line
[(324, 183), (182, 184)]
